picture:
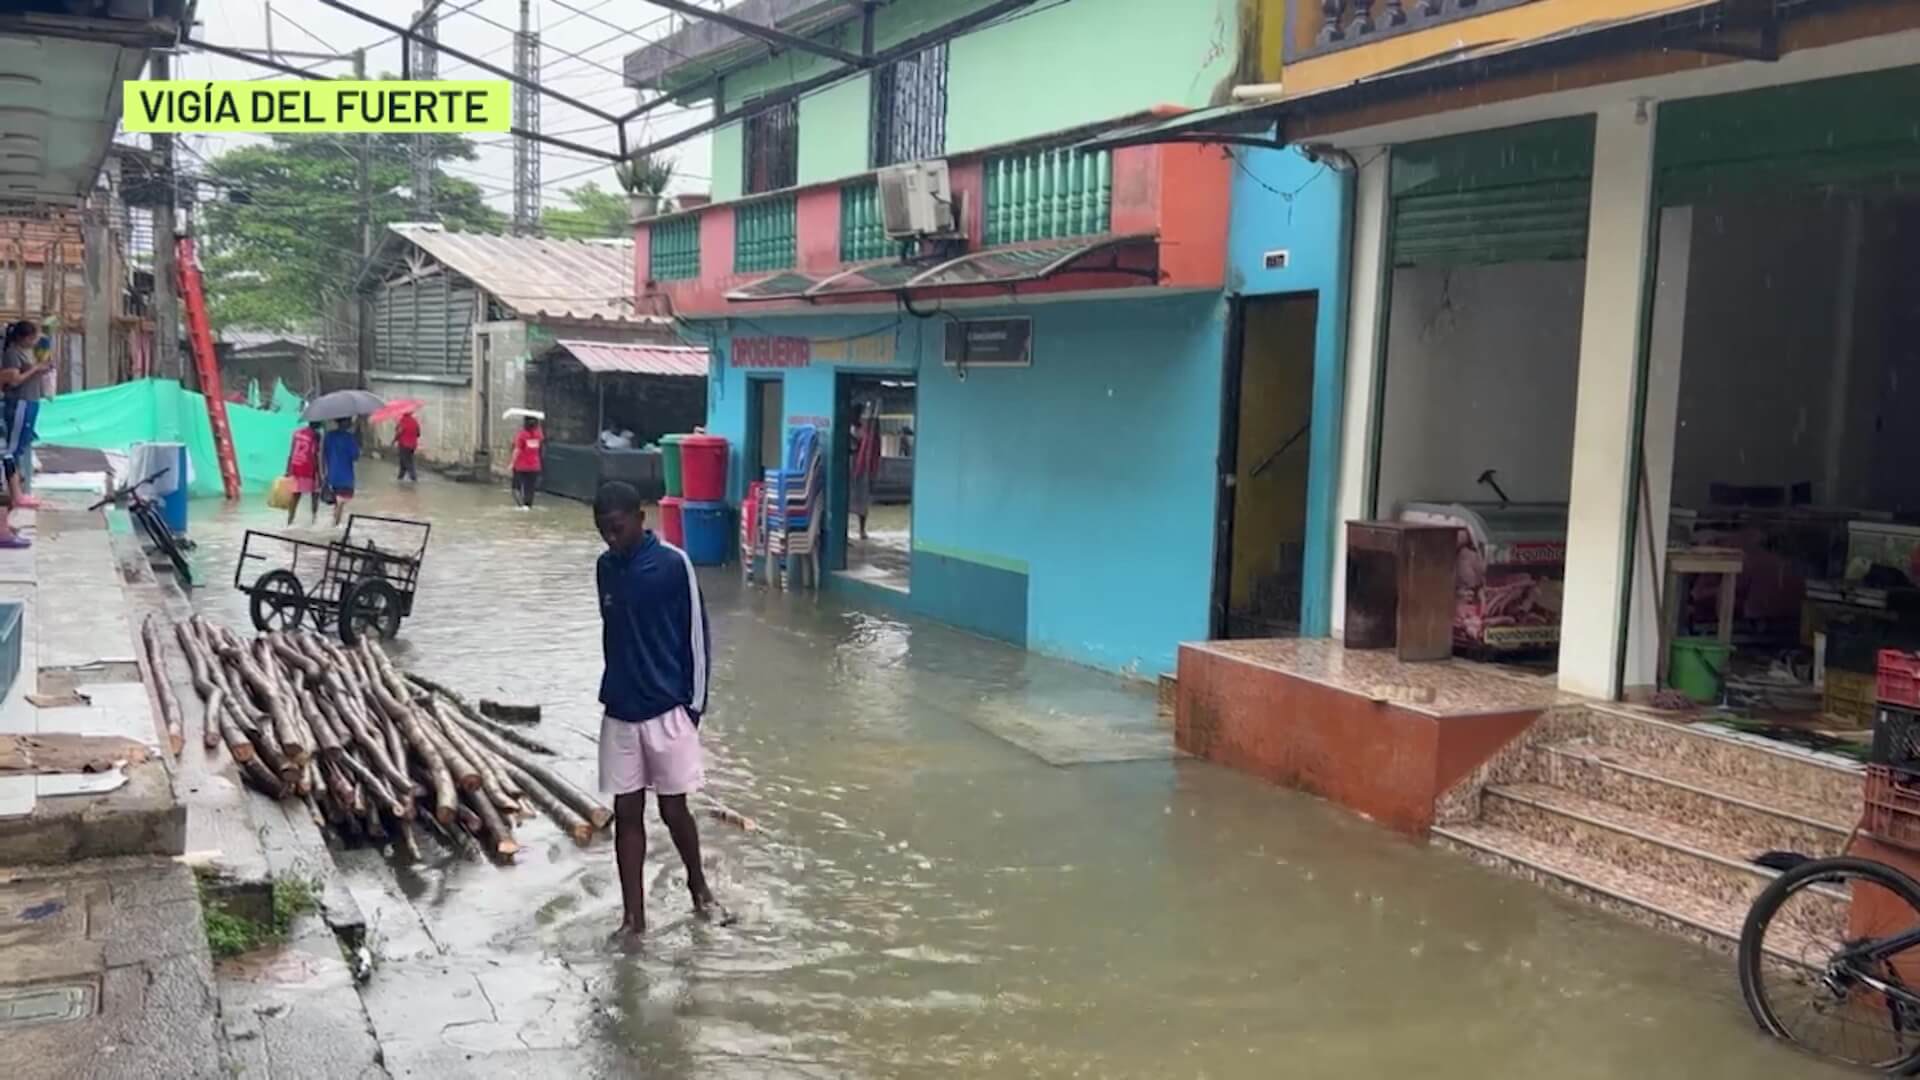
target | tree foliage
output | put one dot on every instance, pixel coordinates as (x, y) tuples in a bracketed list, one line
[(595, 215), (280, 239)]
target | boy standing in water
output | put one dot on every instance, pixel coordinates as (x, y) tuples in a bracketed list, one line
[(658, 655)]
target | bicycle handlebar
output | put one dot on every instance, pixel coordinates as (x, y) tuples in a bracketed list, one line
[(130, 489)]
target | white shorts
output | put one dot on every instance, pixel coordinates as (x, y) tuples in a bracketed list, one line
[(662, 753)]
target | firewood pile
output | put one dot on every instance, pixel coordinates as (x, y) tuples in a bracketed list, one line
[(370, 750)]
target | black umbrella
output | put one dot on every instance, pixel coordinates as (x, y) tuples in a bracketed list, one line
[(341, 405)]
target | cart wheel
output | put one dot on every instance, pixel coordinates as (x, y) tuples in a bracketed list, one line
[(278, 601), (372, 605)]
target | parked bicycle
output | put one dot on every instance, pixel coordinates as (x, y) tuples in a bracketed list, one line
[(146, 514), (1830, 961)]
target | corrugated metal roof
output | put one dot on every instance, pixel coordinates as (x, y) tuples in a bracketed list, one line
[(555, 279), (601, 357)]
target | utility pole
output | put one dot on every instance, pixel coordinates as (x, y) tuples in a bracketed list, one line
[(166, 282), (526, 116), (426, 65), (364, 186)]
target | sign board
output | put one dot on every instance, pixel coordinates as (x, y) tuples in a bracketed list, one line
[(779, 353), (990, 343)]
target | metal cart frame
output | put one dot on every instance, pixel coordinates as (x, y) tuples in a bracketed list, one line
[(350, 586)]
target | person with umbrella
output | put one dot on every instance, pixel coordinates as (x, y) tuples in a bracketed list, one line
[(303, 468), (340, 449)]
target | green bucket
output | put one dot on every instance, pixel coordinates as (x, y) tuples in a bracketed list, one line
[(670, 462), (1697, 667)]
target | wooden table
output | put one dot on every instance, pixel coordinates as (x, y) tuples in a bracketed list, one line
[(1684, 563)]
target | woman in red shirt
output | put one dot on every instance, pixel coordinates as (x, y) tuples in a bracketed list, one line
[(303, 468), (526, 462), (406, 439)]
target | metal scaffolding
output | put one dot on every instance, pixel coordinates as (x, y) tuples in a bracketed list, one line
[(526, 118)]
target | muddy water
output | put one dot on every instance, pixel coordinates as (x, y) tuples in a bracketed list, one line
[(928, 898)]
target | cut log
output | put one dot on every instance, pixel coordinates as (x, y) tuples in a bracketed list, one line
[(563, 815), (163, 686), (213, 719), (197, 659), (580, 801), (499, 836), (524, 715)]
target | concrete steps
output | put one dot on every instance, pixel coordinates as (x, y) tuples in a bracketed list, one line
[(1656, 821)]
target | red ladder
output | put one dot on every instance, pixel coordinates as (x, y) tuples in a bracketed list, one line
[(200, 332)]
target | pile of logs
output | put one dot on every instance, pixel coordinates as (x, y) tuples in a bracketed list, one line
[(372, 751)]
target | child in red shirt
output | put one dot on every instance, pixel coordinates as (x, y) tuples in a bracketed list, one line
[(526, 462), (303, 468)]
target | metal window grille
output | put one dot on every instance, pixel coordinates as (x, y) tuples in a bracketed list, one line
[(910, 108), (772, 150)]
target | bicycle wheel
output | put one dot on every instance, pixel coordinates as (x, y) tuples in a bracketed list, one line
[(156, 529), (1794, 982)]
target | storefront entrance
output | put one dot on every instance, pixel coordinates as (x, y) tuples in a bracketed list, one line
[(878, 429), (1264, 463), (1778, 543)]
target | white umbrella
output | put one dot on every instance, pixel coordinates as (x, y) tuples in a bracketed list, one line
[(516, 413), (341, 405)]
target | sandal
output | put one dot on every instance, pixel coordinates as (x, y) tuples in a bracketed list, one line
[(15, 543)]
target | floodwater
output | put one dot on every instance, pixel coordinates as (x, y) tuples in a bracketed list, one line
[(932, 894)]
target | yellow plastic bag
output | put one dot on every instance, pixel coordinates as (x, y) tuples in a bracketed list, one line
[(282, 495)]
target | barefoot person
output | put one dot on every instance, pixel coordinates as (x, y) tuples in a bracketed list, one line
[(658, 653)]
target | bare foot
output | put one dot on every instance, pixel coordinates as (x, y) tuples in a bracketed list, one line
[(713, 912), (628, 939)]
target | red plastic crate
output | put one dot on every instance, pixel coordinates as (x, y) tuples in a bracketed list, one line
[(1892, 806), (1898, 680)]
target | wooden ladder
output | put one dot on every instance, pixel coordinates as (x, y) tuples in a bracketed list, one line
[(200, 333)]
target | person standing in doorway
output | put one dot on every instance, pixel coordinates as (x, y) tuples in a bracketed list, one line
[(527, 461), (866, 462), (303, 468), (658, 654), (338, 454), (406, 442), (22, 377)]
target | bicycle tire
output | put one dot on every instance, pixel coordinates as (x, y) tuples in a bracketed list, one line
[(1752, 950), (156, 529)]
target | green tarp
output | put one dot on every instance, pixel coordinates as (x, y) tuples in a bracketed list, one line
[(159, 410)]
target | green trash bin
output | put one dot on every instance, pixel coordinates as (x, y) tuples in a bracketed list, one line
[(670, 462), (1697, 667)]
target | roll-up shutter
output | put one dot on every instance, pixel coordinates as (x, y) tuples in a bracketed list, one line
[(1511, 195), (1857, 132)]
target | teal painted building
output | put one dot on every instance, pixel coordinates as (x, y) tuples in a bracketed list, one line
[(1083, 504)]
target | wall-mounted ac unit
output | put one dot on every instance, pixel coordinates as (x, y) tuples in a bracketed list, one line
[(916, 201)]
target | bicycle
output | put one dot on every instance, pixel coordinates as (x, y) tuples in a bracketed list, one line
[(1839, 976), (146, 514)]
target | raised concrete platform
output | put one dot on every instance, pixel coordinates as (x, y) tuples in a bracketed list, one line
[(1385, 738)]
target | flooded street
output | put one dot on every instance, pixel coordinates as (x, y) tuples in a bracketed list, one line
[(954, 876)]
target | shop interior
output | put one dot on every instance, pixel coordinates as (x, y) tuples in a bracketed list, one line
[(1782, 368), (880, 442), (1477, 434)]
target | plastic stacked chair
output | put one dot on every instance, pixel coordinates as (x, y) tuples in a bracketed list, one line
[(792, 510), (753, 538)]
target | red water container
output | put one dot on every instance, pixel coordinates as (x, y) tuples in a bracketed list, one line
[(703, 468), (671, 528)]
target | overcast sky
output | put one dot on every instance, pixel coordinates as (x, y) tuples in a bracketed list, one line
[(481, 28)]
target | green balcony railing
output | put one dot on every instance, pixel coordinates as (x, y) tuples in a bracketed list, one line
[(1049, 193), (863, 232), (764, 235), (673, 248)]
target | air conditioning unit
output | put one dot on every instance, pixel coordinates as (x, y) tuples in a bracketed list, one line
[(916, 201)]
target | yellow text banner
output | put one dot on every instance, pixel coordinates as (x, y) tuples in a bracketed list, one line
[(292, 106)]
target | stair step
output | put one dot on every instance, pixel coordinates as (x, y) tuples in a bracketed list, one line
[(1722, 752), (1677, 854), (1748, 816)]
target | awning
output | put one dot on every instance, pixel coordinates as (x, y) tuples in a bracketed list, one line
[(1687, 25), (1134, 255), (603, 359)]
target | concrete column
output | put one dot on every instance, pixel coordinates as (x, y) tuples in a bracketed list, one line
[(1603, 430), (1367, 298), (102, 303), (1667, 331)]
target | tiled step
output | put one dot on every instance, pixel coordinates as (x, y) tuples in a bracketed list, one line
[(1677, 854), (1749, 817), (1748, 760)]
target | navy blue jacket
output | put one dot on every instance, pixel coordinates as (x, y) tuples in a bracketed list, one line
[(653, 633)]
